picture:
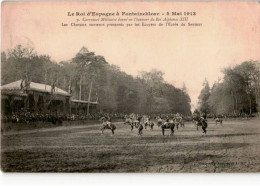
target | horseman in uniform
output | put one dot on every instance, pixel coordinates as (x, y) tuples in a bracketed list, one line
[(203, 122), (146, 119), (108, 118), (139, 118), (167, 119), (159, 121), (205, 116), (106, 121)]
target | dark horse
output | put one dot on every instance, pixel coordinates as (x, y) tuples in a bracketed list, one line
[(112, 127), (203, 123), (149, 124), (105, 125), (168, 125), (140, 129), (196, 122)]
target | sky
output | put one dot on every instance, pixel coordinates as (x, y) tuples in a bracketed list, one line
[(228, 36)]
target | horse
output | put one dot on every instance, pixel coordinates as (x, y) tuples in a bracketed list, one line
[(203, 123), (105, 125), (140, 129), (112, 127), (196, 122), (159, 122), (218, 120), (177, 123), (181, 123), (150, 124), (168, 125), (130, 122)]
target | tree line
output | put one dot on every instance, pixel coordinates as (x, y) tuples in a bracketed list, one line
[(237, 93), (116, 91)]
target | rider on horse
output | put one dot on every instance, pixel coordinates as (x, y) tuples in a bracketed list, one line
[(139, 118), (107, 121), (204, 116), (167, 119), (159, 121)]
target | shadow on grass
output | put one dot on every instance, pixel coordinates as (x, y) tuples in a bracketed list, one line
[(230, 135)]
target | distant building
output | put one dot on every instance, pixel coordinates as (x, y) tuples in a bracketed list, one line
[(35, 97)]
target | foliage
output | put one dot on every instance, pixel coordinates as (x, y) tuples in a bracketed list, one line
[(237, 93), (203, 98), (115, 90)]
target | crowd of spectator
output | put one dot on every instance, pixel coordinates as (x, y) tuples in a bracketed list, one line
[(228, 116), (28, 117)]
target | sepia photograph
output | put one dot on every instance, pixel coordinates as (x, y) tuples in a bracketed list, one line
[(130, 87)]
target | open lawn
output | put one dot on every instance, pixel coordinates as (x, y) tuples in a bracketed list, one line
[(233, 147)]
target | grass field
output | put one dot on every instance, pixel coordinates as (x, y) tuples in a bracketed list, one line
[(233, 147)]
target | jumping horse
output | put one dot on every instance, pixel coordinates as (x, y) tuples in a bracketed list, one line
[(105, 125)]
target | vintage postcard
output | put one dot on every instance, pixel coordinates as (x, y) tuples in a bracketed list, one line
[(135, 86)]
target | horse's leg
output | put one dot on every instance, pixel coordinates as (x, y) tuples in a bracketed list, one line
[(163, 131), (132, 127), (102, 130), (204, 130), (172, 130), (112, 131)]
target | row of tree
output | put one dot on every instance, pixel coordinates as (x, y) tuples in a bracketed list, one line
[(238, 92), (115, 90)]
